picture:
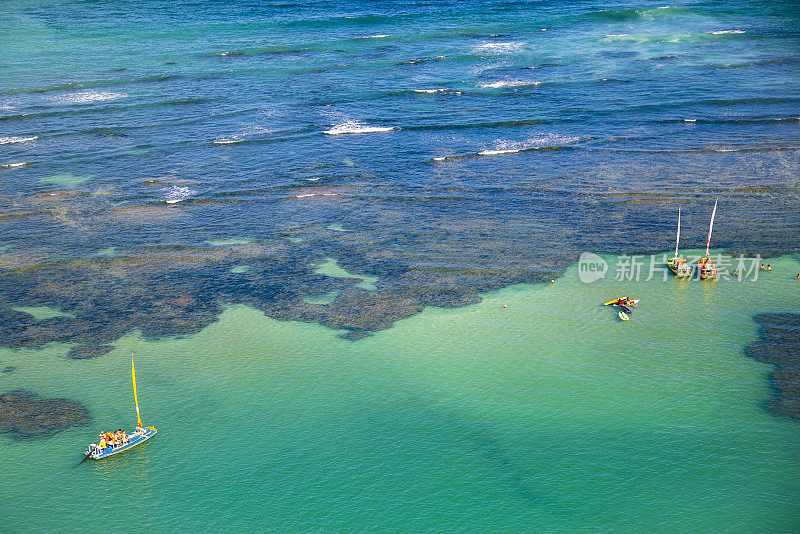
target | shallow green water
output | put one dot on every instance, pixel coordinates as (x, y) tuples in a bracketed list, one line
[(42, 312), (547, 416)]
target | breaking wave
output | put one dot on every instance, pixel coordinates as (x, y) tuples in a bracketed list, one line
[(309, 195), (177, 194), (245, 135), (504, 146), (87, 97), (496, 49), (355, 127), (9, 140), (15, 165), (508, 83)]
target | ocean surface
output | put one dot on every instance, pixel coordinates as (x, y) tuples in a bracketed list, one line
[(304, 219)]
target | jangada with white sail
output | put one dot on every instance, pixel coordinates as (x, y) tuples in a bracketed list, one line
[(676, 263), (705, 267)]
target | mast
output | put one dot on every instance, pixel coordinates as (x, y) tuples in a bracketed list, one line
[(678, 236), (711, 226), (135, 398)]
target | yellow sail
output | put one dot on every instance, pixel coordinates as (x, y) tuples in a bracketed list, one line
[(135, 398)]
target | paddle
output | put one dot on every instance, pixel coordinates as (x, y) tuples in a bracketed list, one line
[(84, 459)]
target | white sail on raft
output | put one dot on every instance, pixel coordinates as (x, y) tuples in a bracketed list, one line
[(706, 267), (676, 263)]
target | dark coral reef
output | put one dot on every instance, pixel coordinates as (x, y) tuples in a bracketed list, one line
[(780, 345), (173, 268), (24, 415)]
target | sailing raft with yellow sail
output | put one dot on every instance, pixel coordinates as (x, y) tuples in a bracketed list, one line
[(113, 443)]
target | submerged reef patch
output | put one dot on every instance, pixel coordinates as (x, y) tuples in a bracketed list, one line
[(23, 415), (441, 243), (780, 345), (85, 352)]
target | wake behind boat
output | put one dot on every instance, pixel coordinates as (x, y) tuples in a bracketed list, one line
[(111, 443)]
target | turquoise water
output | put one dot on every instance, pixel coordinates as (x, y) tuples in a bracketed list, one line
[(549, 415)]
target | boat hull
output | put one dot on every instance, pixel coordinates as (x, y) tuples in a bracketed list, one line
[(706, 269), (679, 267), (98, 453)]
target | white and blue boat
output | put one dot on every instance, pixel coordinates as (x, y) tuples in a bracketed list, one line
[(120, 442)]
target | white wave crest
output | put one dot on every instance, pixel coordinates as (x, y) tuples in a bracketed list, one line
[(309, 195), (177, 194), (355, 127), (721, 32), (502, 146), (378, 36), (9, 140), (87, 97), (689, 120), (15, 165), (245, 135), (508, 83), (228, 140), (498, 48)]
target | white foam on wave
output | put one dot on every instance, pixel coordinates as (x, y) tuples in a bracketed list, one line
[(9, 140), (15, 165), (309, 195), (436, 91), (355, 127), (228, 140), (378, 36), (493, 48), (502, 146), (721, 32), (87, 97), (245, 135), (689, 120), (177, 194), (508, 83)]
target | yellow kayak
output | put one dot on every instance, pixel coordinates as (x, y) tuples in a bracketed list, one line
[(616, 301)]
